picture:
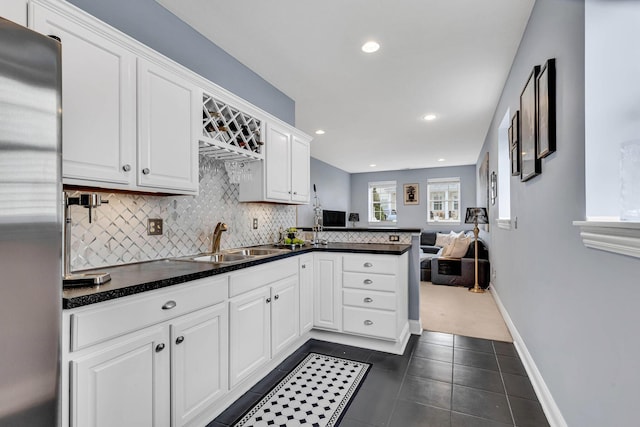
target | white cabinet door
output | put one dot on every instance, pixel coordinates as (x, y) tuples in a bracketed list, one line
[(249, 333), (124, 384), (300, 170), (306, 292), (167, 130), (327, 296), (278, 163), (199, 362), (98, 100), (284, 313)]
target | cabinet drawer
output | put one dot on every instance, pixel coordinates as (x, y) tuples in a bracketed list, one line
[(367, 263), (375, 323), (376, 282), (252, 278), (369, 299), (98, 323)]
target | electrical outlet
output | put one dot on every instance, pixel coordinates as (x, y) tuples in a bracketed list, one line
[(154, 227), (255, 223), (394, 238)]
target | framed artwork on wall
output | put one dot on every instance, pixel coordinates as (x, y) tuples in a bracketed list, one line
[(411, 194), (529, 161), (546, 110), (514, 144)]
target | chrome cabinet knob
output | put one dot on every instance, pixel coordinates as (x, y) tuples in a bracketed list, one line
[(304, 266), (126, 168), (169, 305), (368, 322), (368, 264), (276, 297), (367, 281), (159, 347), (180, 339), (146, 171), (367, 299), (268, 300)]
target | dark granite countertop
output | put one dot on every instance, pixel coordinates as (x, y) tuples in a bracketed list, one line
[(367, 229), (140, 277)]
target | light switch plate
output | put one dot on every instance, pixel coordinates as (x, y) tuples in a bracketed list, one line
[(154, 227)]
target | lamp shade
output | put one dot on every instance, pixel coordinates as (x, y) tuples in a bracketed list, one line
[(354, 216), (476, 216)]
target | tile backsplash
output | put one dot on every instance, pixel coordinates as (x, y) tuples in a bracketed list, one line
[(118, 231)]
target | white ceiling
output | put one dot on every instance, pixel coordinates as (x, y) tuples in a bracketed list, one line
[(446, 57)]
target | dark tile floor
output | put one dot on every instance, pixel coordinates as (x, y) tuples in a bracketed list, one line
[(440, 380)]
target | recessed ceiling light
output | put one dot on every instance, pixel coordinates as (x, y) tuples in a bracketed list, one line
[(370, 47), (441, 160), (319, 132), (429, 117), (372, 165)]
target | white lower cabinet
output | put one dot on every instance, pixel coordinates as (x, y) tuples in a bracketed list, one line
[(262, 322), (249, 334), (159, 358), (305, 274), (327, 290), (124, 384), (199, 360)]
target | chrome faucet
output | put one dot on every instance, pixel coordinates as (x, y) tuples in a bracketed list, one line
[(215, 238)]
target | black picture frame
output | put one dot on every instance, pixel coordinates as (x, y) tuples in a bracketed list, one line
[(546, 109), (514, 144), (530, 165)]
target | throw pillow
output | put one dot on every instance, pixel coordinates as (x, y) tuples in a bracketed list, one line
[(442, 240), (458, 248)]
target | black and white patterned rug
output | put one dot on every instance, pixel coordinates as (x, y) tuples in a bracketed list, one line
[(315, 394)]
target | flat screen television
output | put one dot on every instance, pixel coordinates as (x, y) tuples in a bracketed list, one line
[(334, 218)]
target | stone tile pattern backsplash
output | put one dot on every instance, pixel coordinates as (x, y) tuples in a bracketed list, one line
[(118, 231)]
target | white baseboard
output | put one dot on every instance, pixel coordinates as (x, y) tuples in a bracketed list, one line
[(415, 327), (551, 410)]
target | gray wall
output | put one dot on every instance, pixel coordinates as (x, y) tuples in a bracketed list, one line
[(414, 216), (150, 23), (575, 308), (333, 187)]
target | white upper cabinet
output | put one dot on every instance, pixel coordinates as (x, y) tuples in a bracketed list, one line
[(98, 101), (283, 176), (130, 119), (167, 131)]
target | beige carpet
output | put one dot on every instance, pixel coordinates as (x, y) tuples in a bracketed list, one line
[(455, 310)]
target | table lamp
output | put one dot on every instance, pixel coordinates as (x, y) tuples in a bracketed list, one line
[(476, 216)]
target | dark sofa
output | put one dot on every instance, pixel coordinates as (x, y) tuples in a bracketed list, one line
[(452, 271)]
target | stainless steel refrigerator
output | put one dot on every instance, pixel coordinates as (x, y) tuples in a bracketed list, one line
[(30, 227)]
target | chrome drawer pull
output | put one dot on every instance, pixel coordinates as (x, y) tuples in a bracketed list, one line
[(367, 281), (367, 299), (368, 264), (169, 305), (304, 266), (368, 322)]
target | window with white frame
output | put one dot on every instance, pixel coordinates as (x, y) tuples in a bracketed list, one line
[(382, 201), (443, 200)]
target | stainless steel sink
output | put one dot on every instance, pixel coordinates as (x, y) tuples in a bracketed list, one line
[(256, 251), (221, 258)]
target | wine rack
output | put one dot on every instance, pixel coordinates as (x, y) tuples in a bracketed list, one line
[(228, 133)]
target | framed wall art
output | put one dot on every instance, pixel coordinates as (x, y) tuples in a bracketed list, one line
[(411, 194), (546, 110), (529, 161), (514, 144)]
